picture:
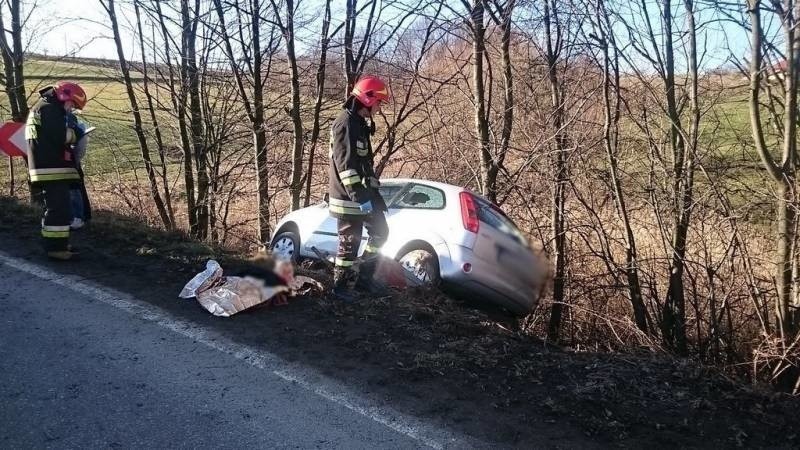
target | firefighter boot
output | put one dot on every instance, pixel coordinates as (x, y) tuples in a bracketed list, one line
[(341, 289), (366, 279)]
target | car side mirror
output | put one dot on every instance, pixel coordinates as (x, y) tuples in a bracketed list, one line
[(326, 198), (415, 198)]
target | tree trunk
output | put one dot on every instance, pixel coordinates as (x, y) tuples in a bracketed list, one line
[(355, 59), (611, 118), (153, 117), (488, 168), (254, 107), (786, 315), (323, 60), (8, 72), (179, 105), (349, 33), (553, 37), (505, 23), (191, 81), (259, 133), (137, 118), (13, 63), (784, 173), (508, 85), (296, 187), (19, 56), (674, 310)]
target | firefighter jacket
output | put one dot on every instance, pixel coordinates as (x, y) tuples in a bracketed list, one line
[(49, 131), (351, 177)]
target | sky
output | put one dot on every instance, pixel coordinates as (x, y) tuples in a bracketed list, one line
[(79, 28), (71, 27)]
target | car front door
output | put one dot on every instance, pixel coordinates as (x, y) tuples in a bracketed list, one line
[(325, 236)]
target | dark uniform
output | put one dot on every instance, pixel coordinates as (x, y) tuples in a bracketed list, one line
[(50, 167), (78, 195), (352, 182)]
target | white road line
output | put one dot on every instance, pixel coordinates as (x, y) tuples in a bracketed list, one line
[(294, 373)]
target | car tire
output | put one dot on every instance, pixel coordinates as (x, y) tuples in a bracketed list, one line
[(286, 246), (421, 261)]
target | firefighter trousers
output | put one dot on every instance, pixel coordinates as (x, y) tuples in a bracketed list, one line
[(350, 231), (56, 215)]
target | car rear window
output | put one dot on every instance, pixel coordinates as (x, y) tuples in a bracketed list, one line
[(388, 191), (492, 216), (420, 196)]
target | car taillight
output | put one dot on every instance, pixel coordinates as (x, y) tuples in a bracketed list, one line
[(469, 212)]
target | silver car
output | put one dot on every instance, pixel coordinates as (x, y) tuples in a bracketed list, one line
[(444, 234)]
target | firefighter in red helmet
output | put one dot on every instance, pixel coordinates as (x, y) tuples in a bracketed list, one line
[(353, 189), (50, 130)]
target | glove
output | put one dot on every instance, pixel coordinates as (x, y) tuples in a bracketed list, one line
[(366, 207), (77, 127)]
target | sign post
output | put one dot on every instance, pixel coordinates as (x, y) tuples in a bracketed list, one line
[(11, 174)]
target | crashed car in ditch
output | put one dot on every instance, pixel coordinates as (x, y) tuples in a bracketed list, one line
[(445, 235)]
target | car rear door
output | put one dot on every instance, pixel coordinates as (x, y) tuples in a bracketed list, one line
[(416, 205)]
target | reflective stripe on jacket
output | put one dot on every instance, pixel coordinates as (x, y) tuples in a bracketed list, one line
[(55, 174)]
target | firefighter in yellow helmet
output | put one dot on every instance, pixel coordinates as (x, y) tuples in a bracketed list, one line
[(353, 189), (50, 130)]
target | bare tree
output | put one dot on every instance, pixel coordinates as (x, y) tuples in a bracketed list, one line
[(191, 81), (553, 44), (287, 29), (489, 167), (153, 117), (673, 322), (325, 40), (411, 88), (606, 39), (252, 100), (13, 60), (13, 79), (354, 57), (686, 145), (670, 94), (178, 91), (784, 171), (108, 5), (362, 48), (503, 19)]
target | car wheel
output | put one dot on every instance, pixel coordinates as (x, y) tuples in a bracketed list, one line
[(286, 246), (421, 262)]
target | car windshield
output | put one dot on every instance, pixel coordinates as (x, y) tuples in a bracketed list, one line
[(495, 218)]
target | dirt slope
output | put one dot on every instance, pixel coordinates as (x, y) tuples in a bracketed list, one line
[(435, 358)]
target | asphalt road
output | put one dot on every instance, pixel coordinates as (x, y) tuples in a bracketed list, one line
[(76, 371)]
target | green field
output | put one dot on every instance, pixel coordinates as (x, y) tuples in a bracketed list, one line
[(726, 142)]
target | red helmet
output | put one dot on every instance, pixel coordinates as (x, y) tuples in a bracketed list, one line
[(69, 91), (369, 90)]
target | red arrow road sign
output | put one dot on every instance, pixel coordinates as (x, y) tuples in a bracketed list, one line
[(12, 139)]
